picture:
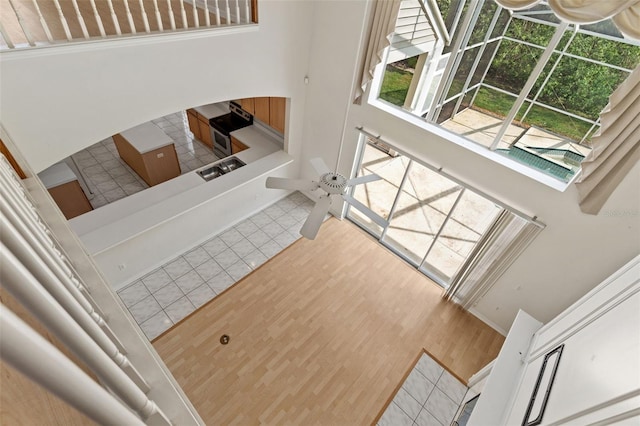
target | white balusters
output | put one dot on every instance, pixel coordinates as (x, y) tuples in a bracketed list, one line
[(85, 12), (25, 288), (247, 11), (83, 26), (97, 17), (114, 17), (6, 37), (132, 25), (217, 12), (196, 19), (67, 295), (183, 13), (28, 352), (207, 19), (63, 20), (145, 20), (172, 19), (158, 15), (43, 22), (228, 15), (23, 25)]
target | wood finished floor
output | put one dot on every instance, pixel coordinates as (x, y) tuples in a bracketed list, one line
[(321, 334)]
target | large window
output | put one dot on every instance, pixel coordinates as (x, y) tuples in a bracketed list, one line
[(434, 222), (522, 84)]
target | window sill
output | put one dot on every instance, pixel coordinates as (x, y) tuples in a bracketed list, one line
[(473, 146)]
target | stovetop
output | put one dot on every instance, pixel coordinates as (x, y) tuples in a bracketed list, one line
[(235, 120)]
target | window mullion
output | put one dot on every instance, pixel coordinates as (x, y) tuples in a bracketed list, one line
[(537, 70)]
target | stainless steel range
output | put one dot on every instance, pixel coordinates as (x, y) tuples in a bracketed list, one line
[(222, 126)]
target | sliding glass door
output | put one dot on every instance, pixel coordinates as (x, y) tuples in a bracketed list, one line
[(434, 222)]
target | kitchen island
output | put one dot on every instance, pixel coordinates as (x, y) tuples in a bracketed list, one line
[(136, 234), (149, 152)]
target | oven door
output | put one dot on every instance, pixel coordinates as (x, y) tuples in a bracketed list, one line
[(221, 143)]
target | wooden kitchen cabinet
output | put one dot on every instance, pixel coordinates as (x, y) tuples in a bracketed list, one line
[(194, 125), (71, 199), (237, 146), (277, 109), (205, 131), (269, 110), (199, 126), (248, 105), (261, 109)]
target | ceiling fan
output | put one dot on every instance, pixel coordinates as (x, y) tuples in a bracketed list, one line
[(331, 183)]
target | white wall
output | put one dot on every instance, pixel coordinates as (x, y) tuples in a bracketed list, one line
[(56, 101), (573, 254), (78, 97)]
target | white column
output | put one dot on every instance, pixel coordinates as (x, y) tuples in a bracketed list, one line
[(217, 12), (6, 37), (132, 25), (172, 20), (145, 20), (183, 14), (207, 18), (28, 352)]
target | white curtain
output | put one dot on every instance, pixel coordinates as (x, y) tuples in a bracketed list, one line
[(383, 24), (616, 147), (624, 13), (505, 240)]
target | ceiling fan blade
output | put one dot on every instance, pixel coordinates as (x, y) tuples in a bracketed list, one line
[(319, 165), (366, 210), (296, 184), (363, 179), (312, 224)]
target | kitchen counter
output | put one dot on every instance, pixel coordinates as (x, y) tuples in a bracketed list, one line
[(57, 175), (123, 236), (212, 110), (146, 137)]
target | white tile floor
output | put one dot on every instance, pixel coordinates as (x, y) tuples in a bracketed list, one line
[(163, 297), (430, 396), (109, 178)]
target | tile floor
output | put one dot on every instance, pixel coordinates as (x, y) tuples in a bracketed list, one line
[(430, 396), (163, 297), (109, 178)]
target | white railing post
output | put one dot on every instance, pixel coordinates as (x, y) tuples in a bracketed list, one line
[(96, 15), (247, 11), (23, 24), (172, 19), (145, 20), (24, 287), (43, 22), (238, 19), (196, 19), (114, 18), (83, 26), (228, 10), (158, 15), (63, 20), (67, 295), (6, 37), (183, 14), (217, 10), (132, 25), (28, 352), (207, 18)]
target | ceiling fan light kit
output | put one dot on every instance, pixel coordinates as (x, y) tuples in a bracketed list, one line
[(331, 184)]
